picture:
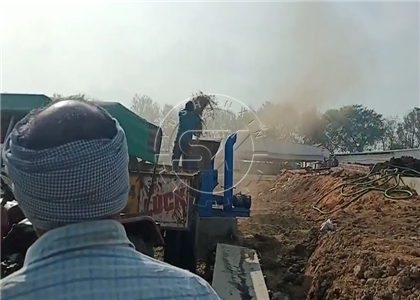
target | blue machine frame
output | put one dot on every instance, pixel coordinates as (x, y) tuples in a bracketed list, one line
[(228, 204)]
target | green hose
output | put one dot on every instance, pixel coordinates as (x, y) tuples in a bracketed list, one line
[(367, 185)]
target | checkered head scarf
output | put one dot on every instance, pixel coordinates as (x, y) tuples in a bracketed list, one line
[(76, 182)]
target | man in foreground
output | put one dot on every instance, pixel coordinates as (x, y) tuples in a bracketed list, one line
[(69, 167)]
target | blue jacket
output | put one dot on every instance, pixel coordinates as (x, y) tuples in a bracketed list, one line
[(188, 124)]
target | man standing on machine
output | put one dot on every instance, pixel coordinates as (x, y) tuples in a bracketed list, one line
[(188, 124)]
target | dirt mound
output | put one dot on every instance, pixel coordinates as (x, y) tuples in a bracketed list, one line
[(406, 162), (373, 254)]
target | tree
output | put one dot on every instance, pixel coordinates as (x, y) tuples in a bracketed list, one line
[(83, 97), (353, 128), (169, 124), (333, 121), (146, 108), (282, 120), (222, 119), (247, 121), (312, 128), (408, 131), (389, 140)]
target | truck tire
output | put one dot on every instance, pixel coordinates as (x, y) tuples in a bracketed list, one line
[(189, 249), (172, 247), (181, 246)]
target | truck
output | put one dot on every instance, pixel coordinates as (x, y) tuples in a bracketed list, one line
[(164, 209)]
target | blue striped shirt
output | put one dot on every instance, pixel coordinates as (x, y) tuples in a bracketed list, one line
[(96, 261)]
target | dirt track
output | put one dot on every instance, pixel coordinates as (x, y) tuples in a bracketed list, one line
[(374, 254)]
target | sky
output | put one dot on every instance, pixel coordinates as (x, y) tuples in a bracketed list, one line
[(312, 54)]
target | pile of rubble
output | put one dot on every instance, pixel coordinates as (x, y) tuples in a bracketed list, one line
[(372, 252), (406, 162)]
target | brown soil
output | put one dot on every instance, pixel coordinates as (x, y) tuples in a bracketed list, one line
[(374, 254)]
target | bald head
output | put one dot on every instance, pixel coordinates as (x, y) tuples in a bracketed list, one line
[(76, 170), (65, 122)]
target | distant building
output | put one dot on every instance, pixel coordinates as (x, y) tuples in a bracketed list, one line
[(275, 149), (373, 157)]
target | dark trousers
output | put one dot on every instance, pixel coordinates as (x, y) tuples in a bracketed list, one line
[(180, 150)]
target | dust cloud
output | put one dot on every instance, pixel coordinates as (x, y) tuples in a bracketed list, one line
[(329, 55)]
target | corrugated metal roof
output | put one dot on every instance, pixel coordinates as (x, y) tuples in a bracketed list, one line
[(247, 145)]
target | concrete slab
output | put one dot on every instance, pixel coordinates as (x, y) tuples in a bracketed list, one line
[(237, 274)]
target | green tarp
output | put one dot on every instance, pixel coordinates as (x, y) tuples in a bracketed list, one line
[(143, 138), (22, 103)]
